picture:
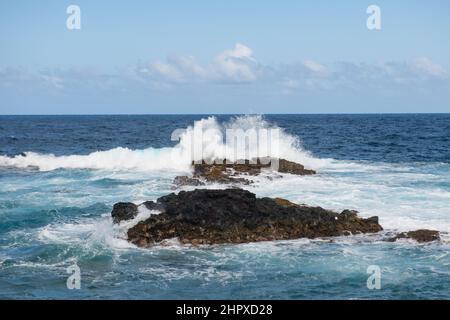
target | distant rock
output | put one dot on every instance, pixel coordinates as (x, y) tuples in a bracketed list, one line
[(231, 173), (422, 235), (237, 216)]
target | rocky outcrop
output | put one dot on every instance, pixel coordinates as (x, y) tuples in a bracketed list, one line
[(231, 173), (285, 166), (187, 181), (237, 216), (124, 211), (422, 235)]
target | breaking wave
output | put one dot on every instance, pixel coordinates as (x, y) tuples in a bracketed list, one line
[(213, 143)]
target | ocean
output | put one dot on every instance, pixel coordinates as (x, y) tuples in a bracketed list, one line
[(61, 175)]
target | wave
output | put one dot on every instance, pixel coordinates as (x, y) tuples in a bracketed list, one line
[(212, 143)]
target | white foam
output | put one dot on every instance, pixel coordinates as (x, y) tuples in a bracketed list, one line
[(114, 159), (143, 214), (90, 232), (404, 197)]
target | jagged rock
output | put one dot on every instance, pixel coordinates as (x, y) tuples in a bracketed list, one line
[(187, 181), (151, 205), (285, 166), (422, 235), (286, 203), (218, 174), (237, 216), (223, 172), (124, 211), (238, 167)]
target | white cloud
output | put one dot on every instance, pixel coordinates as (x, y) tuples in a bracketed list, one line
[(427, 66), (235, 65), (315, 66), (188, 65), (240, 51), (52, 80), (167, 71), (238, 66)]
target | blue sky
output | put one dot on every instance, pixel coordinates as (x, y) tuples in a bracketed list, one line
[(224, 57)]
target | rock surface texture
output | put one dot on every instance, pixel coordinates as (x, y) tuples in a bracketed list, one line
[(236, 216), (124, 211), (422, 235), (231, 173)]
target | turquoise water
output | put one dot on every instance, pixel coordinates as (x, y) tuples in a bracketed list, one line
[(55, 204)]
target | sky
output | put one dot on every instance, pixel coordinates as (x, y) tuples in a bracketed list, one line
[(203, 56)]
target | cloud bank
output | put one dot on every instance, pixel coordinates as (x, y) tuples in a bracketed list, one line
[(234, 72)]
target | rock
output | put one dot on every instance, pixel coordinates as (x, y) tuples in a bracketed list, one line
[(422, 235), (231, 173), (226, 172), (373, 219), (217, 174), (151, 205), (238, 167), (285, 166), (187, 181), (237, 216), (350, 214), (286, 203), (124, 211)]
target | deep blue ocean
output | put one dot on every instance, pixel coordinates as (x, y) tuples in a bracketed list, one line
[(61, 175)]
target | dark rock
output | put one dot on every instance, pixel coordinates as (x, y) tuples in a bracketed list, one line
[(422, 235), (225, 172), (349, 215), (285, 166), (373, 219), (285, 203), (238, 167), (187, 181), (124, 211), (151, 205), (237, 216)]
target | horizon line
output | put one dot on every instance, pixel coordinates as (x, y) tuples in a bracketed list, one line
[(219, 114)]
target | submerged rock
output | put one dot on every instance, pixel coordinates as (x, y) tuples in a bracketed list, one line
[(231, 173), (422, 235), (237, 216)]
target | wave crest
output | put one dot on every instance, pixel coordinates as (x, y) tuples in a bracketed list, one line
[(176, 158)]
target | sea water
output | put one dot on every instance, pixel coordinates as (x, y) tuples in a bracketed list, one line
[(61, 175)]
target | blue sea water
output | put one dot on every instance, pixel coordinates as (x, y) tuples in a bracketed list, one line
[(60, 176)]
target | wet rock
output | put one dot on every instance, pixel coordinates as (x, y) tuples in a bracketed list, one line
[(285, 166), (422, 235), (124, 211), (237, 216), (286, 203), (231, 173), (187, 181), (218, 174), (151, 205), (373, 219), (350, 214)]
